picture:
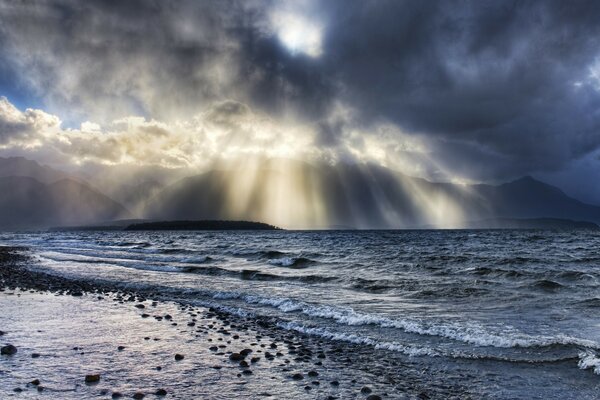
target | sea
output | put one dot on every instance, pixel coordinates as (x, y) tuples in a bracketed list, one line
[(517, 309)]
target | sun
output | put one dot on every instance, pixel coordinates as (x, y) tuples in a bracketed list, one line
[(298, 33)]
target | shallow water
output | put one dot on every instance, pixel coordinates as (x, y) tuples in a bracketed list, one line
[(519, 308)]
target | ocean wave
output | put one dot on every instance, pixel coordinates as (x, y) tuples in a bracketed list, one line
[(470, 333), (485, 271), (291, 262), (174, 250), (372, 286), (591, 302), (547, 285), (410, 350), (451, 292), (255, 275)]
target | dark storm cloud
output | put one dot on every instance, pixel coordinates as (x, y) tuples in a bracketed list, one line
[(497, 88), (510, 78)]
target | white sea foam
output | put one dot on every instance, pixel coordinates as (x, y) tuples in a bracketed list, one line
[(350, 338), (589, 360), (463, 332), (283, 262)]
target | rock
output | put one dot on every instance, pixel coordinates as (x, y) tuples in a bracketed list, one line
[(423, 396), (40, 389), (161, 392), (116, 395), (247, 372), (236, 357), (138, 396), (17, 390), (179, 357), (8, 350), (35, 382), (335, 383), (92, 378), (374, 397), (121, 348), (365, 390), (254, 359), (313, 373), (297, 377), (2, 333), (140, 306), (244, 364), (35, 355), (245, 352)]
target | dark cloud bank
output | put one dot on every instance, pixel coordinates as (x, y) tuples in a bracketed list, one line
[(497, 89)]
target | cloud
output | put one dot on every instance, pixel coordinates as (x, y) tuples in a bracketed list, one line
[(225, 130), (480, 89)]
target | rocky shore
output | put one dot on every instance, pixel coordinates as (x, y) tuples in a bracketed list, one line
[(206, 352)]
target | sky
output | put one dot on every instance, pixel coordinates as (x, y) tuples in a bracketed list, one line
[(460, 91)]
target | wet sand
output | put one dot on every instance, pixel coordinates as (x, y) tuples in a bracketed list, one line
[(136, 344)]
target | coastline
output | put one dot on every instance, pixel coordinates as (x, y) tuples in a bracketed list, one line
[(220, 355)]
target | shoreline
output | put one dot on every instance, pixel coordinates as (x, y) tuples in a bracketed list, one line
[(245, 352)]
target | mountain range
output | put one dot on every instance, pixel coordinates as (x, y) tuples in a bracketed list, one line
[(285, 193)]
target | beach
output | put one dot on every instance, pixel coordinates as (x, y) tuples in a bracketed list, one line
[(139, 345)]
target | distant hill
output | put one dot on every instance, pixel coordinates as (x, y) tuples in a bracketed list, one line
[(200, 226), (531, 223), (26, 203), (20, 166), (357, 196), (285, 193)]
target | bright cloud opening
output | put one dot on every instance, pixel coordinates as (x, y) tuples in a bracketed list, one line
[(298, 33)]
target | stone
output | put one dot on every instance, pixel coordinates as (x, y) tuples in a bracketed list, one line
[(313, 373), (374, 397), (92, 378), (35, 382), (138, 396), (35, 355), (245, 352), (116, 395), (365, 390), (161, 392), (297, 377), (236, 357), (8, 350), (179, 357)]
